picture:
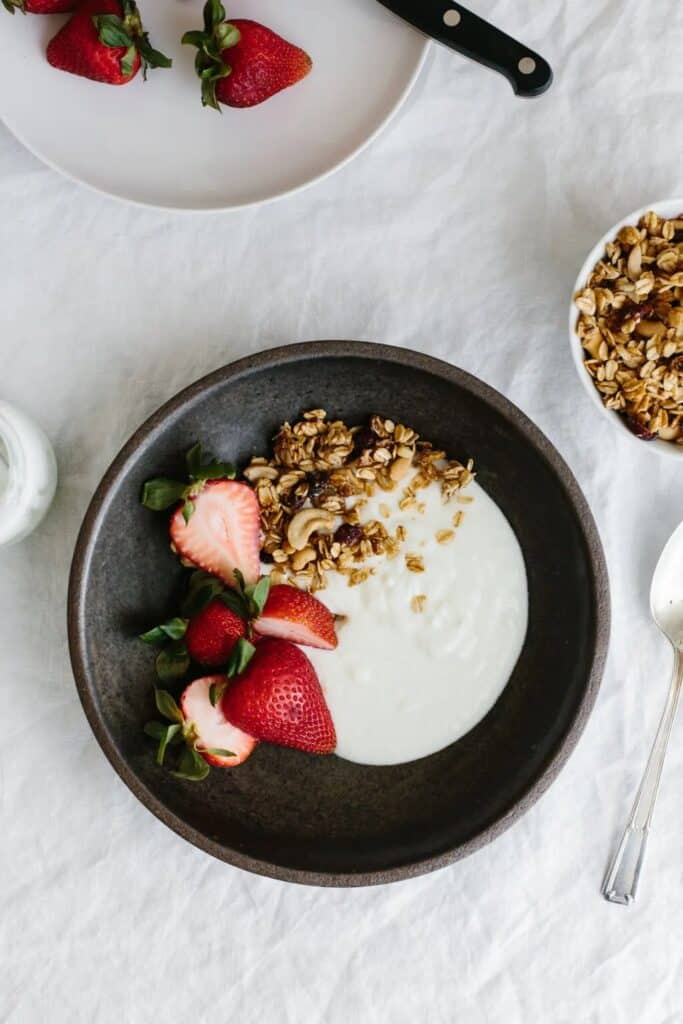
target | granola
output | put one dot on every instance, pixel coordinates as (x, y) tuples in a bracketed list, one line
[(630, 325), (313, 490)]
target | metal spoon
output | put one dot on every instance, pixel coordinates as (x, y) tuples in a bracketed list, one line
[(666, 606)]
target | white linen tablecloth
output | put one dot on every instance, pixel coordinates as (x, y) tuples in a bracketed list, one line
[(459, 232)]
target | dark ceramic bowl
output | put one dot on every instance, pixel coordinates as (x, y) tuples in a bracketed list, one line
[(326, 821)]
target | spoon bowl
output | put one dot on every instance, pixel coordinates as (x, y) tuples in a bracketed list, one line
[(666, 592)]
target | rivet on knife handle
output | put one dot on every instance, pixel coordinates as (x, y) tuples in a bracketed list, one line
[(455, 26)]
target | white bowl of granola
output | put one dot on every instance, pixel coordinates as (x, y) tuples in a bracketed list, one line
[(626, 326)]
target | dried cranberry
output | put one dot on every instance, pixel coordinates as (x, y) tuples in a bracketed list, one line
[(364, 439), (318, 484), (638, 428), (349, 535), (295, 501), (630, 311)]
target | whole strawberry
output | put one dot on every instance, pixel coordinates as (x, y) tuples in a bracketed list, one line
[(105, 41), (39, 6), (212, 634), (278, 699), (242, 63)]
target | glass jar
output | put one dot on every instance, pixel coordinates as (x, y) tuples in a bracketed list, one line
[(28, 474)]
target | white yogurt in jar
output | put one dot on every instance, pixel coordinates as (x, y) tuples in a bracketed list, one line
[(402, 685), (28, 474)]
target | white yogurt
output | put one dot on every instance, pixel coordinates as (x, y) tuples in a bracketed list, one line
[(403, 685)]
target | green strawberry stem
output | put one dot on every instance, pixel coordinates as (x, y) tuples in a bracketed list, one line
[(218, 35), (128, 32), (14, 5), (160, 493)]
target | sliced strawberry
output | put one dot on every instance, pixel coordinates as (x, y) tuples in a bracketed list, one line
[(212, 730), (279, 699), (219, 532), (212, 633), (295, 615)]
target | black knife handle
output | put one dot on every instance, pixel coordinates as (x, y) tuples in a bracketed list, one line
[(455, 26)]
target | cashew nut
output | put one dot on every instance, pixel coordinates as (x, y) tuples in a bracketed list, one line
[(301, 559), (400, 468), (254, 473), (307, 522), (634, 263)]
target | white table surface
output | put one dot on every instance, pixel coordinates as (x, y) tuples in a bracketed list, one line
[(458, 233)]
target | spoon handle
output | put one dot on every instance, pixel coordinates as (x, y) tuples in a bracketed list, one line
[(621, 880)]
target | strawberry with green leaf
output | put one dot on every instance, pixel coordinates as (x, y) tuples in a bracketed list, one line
[(105, 41), (241, 63), (215, 525), (278, 698), (214, 621), (199, 729)]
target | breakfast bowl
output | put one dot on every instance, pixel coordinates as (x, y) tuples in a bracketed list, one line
[(627, 427), (331, 820)]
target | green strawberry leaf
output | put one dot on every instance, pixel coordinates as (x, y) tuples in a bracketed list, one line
[(202, 589), (169, 735), (226, 35), (155, 729), (167, 706), (259, 595), (216, 691), (214, 14), (151, 58), (193, 460), (128, 61), (201, 469), (111, 31), (191, 766), (161, 493), (188, 510), (174, 629), (242, 654), (194, 38), (239, 579), (172, 662), (215, 470), (216, 751), (236, 603)]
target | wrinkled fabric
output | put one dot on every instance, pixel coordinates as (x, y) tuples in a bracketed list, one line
[(458, 232)]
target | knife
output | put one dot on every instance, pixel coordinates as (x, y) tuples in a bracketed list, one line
[(455, 26)]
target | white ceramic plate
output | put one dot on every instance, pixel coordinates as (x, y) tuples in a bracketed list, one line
[(669, 208), (152, 142)]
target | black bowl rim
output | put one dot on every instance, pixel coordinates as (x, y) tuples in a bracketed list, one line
[(339, 349)]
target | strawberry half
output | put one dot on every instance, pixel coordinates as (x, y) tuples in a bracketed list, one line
[(105, 42), (39, 6), (212, 634), (222, 533), (278, 699), (242, 63), (295, 615), (216, 524), (218, 741)]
